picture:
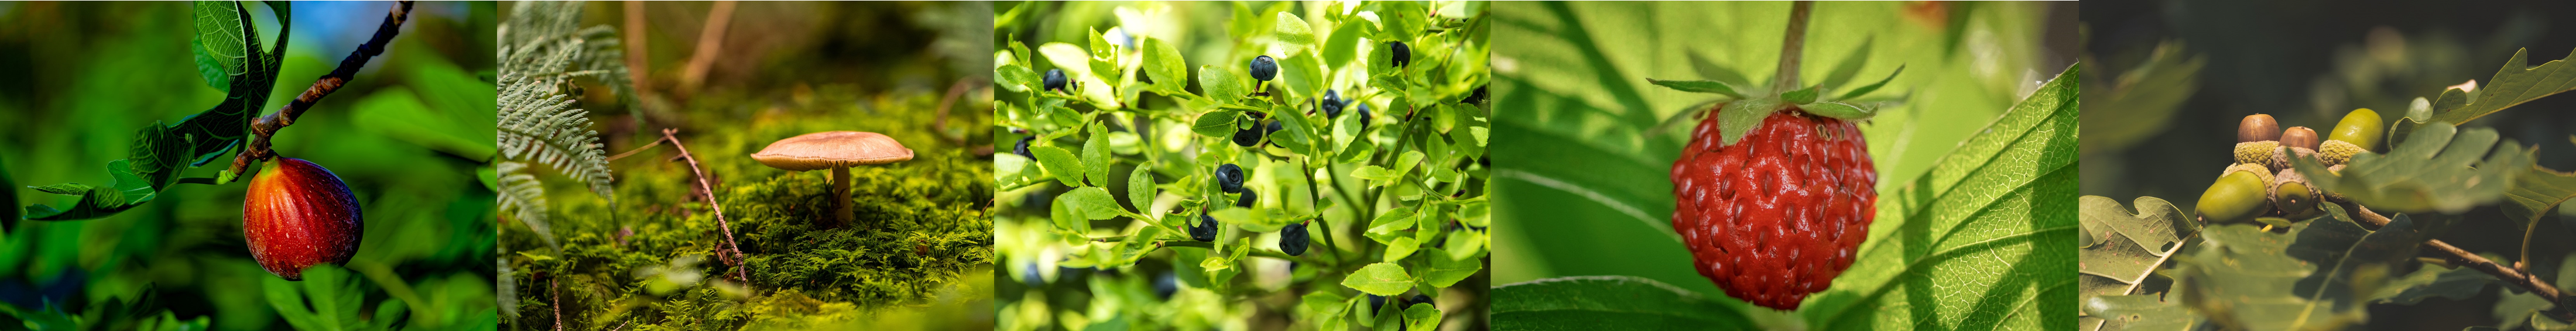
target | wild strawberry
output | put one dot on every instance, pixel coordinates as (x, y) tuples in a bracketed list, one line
[(1776, 215)]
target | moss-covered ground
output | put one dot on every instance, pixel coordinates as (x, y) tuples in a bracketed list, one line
[(918, 255)]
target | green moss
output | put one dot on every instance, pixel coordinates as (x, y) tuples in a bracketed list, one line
[(922, 227)]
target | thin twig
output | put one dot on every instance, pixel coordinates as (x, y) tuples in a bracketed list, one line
[(656, 142), (557, 292), (939, 125), (710, 41), (1787, 78), (265, 126), (2459, 257), (739, 268)]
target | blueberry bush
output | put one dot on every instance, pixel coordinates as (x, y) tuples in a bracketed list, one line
[(1308, 165)]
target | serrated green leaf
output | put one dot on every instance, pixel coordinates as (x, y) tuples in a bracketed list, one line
[(1611, 303), (2436, 171), (1216, 124), (1061, 211), (1019, 78), (1093, 203), (1140, 188), (1396, 219), (1382, 279), (71, 189), (1736, 119), (2535, 191), (2006, 194), (1165, 65), (1422, 316), (1059, 163), (1377, 176), (2512, 85), (1700, 86), (2139, 312), (1343, 45), (2132, 245), (124, 191), (1400, 248), (1446, 270), (2433, 281), (1095, 156), (2317, 276), (1222, 84)]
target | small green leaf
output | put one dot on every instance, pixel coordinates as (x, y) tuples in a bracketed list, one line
[(71, 189), (1841, 110), (1377, 176), (1865, 89), (1093, 203), (1293, 35), (1738, 118), (1396, 219), (1422, 316), (1850, 66), (1095, 156), (1165, 65), (1343, 45), (1800, 96), (1382, 279), (1223, 84), (2140, 312), (1019, 78), (220, 45), (1059, 163), (2535, 191), (1216, 124), (1446, 270), (1401, 248), (1700, 86), (1140, 188)]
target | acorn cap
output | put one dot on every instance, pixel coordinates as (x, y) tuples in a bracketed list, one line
[(832, 149)]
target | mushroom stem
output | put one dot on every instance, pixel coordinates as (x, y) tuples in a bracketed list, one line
[(841, 195)]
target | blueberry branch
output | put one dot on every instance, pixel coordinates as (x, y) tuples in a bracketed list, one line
[(258, 149), (2458, 257)]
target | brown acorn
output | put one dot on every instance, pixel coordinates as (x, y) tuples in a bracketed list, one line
[(2299, 136), (297, 215), (2257, 127)]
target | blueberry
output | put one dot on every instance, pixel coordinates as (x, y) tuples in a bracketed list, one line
[(1247, 200), (1023, 148), (1332, 104), (1364, 115), (1166, 284), (1264, 68), (1376, 302), (1292, 240), (1230, 177), (1402, 54), (1029, 275), (1055, 79), (1418, 298), (1274, 127), (1247, 137), (1206, 231), (1477, 97)]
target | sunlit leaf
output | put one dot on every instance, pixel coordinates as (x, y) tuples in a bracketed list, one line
[(1059, 163), (2133, 244), (1611, 303), (2435, 171), (1383, 279)]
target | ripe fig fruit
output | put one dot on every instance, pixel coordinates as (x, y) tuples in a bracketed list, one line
[(297, 215), (2257, 127)]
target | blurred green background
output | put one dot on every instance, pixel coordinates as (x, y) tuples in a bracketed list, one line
[(1583, 180), (2173, 78), (918, 256), (406, 135)]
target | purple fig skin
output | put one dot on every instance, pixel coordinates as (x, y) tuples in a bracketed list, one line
[(297, 215)]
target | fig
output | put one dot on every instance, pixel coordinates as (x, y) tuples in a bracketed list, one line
[(297, 215)]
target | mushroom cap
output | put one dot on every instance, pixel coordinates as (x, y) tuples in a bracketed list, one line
[(832, 149)]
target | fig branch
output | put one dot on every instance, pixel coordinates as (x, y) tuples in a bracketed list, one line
[(258, 148), (2458, 257)]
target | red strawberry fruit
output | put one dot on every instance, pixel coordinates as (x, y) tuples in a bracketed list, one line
[(1776, 215), (297, 215)]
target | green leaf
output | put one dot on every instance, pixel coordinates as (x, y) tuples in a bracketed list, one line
[(1343, 45), (1400, 248), (1849, 67), (219, 44), (327, 299), (2513, 85), (2317, 276), (1062, 212), (1611, 303), (2142, 102), (1060, 163), (1095, 156), (71, 189), (1377, 176), (2132, 245), (1446, 270), (2139, 312), (1292, 33), (1216, 124), (124, 191), (1396, 219), (1800, 96), (1093, 203), (2438, 170), (1422, 316), (1700, 86), (1382, 279), (2535, 191), (1872, 87), (1224, 85), (1987, 225), (1839, 110), (2432, 281), (1165, 65), (1140, 188), (1738, 118), (1019, 78)]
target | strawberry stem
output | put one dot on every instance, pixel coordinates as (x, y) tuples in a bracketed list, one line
[(1787, 78)]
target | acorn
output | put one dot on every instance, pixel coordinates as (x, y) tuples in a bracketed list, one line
[(2235, 197), (2256, 152), (2260, 172), (297, 215), (2292, 193), (2299, 136), (2257, 127), (2281, 157), (2337, 152), (2361, 128)]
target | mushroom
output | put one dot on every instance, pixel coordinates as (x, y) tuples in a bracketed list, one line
[(836, 150)]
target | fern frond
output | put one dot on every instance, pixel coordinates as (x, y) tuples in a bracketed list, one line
[(524, 198), (542, 127)]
